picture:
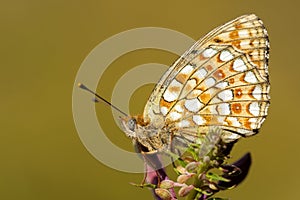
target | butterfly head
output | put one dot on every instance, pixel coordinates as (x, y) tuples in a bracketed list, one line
[(132, 126), (129, 126)]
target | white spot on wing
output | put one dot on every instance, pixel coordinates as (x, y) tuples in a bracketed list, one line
[(244, 43), (194, 93), (226, 95), (234, 121), (225, 56), (243, 33), (178, 108), (268, 89), (187, 69), (213, 109), (266, 109), (199, 120), (250, 77), (209, 52), (253, 124), (254, 108), (221, 119), (200, 74), (253, 31), (243, 131), (223, 109), (209, 82), (231, 136), (193, 105), (260, 123), (222, 85), (239, 65), (190, 85), (172, 95), (183, 123), (175, 116), (164, 110), (257, 92)]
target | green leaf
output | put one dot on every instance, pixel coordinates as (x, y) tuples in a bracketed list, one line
[(193, 153), (215, 177), (181, 162)]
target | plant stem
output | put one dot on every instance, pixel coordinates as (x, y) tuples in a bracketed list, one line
[(198, 182)]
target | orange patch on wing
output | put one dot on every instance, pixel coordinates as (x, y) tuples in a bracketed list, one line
[(188, 87), (228, 121), (218, 59), (236, 43), (231, 80), (236, 108), (257, 63), (202, 88), (208, 118), (164, 103), (234, 35), (248, 108), (175, 89), (181, 78), (209, 67), (201, 57), (242, 78), (247, 124), (238, 93), (219, 74), (250, 92), (238, 26), (204, 97)]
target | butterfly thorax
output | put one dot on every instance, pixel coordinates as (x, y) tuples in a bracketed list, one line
[(147, 134)]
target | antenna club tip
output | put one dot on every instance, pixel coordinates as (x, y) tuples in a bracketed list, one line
[(80, 85)]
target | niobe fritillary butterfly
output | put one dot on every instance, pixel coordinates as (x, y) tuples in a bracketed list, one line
[(221, 81)]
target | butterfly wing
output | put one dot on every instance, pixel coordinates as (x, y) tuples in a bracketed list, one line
[(222, 80)]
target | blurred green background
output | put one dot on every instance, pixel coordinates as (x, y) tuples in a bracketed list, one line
[(43, 44)]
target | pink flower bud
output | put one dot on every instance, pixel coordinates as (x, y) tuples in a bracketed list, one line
[(192, 166), (166, 184), (185, 190), (163, 194), (184, 177)]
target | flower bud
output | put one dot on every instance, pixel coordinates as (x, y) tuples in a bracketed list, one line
[(206, 159), (202, 176), (192, 166), (163, 194), (185, 190), (181, 169), (213, 186), (184, 177), (166, 184)]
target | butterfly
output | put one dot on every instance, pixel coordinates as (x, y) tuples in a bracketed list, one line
[(221, 81)]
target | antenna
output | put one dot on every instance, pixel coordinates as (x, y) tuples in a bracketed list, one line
[(80, 85)]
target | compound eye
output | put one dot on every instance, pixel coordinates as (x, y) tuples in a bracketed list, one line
[(131, 124)]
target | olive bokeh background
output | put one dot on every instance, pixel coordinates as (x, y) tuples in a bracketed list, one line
[(43, 44)]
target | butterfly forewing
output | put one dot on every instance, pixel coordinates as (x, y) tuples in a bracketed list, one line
[(221, 81)]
